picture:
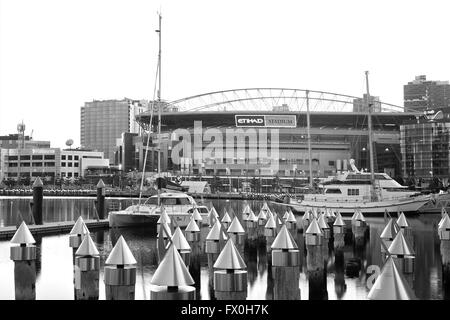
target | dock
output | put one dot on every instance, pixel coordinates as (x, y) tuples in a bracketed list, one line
[(53, 228)]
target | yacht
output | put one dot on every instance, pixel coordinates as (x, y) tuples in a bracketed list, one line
[(178, 205), (352, 190)]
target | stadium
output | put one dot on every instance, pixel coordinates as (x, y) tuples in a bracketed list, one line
[(338, 132)]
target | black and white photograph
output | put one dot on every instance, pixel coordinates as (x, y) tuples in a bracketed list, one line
[(225, 154)]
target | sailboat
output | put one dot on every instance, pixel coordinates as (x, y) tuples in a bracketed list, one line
[(178, 205), (369, 192)]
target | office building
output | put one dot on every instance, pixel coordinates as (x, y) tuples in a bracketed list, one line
[(425, 95), (103, 122), (360, 104), (425, 149)]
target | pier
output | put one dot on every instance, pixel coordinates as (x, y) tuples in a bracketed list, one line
[(53, 228)]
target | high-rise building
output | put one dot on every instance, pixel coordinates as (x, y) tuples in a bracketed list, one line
[(360, 104), (422, 94), (424, 148), (103, 122)]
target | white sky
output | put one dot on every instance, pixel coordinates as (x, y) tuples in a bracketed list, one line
[(57, 54)]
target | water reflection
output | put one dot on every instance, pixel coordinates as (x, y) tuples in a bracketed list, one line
[(55, 266)]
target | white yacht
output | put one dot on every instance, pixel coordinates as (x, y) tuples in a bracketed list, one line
[(178, 205), (349, 190)]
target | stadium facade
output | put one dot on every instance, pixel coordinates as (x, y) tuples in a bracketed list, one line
[(278, 119)]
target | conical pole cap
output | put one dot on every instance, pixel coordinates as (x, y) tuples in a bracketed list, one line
[(192, 226), (23, 235), (100, 184), (246, 210), (306, 215), (271, 224), (235, 226), (229, 258), (445, 224), (87, 247), (359, 216), (180, 241), (164, 217), (262, 215), (284, 240), (291, 217), (252, 217), (391, 284), (79, 227), (121, 254), (339, 221), (286, 215), (400, 246), (226, 218), (313, 228), (196, 215), (322, 223), (389, 231), (215, 232), (354, 215), (172, 271), (402, 222), (214, 212), (444, 216), (38, 183)]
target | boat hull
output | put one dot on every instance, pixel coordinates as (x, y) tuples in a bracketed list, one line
[(118, 219), (367, 208), (438, 201)]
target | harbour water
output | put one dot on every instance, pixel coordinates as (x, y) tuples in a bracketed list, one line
[(55, 265)]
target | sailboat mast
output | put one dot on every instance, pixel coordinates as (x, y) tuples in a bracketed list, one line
[(369, 125), (159, 108), (308, 125)]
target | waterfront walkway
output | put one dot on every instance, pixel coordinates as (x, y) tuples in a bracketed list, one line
[(53, 227)]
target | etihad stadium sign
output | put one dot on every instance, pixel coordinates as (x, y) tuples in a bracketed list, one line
[(268, 121)]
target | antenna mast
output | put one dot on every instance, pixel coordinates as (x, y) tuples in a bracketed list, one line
[(369, 124), (159, 107)]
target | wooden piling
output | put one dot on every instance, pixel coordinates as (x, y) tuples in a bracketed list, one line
[(285, 266), (230, 277), (101, 193), (120, 273), (445, 256), (315, 262), (87, 270), (24, 257), (38, 195)]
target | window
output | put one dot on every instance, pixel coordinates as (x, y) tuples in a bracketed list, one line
[(75, 164), (49, 157), (75, 174), (353, 192), (69, 164), (49, 164), (25, 164), (12, 158), (69, 158), (24, 157), (331, 163), (75, 157), (38, 157), (37, 164), (12, 164), (63, 164), (63, 157), (335, 191), (69, 174)]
